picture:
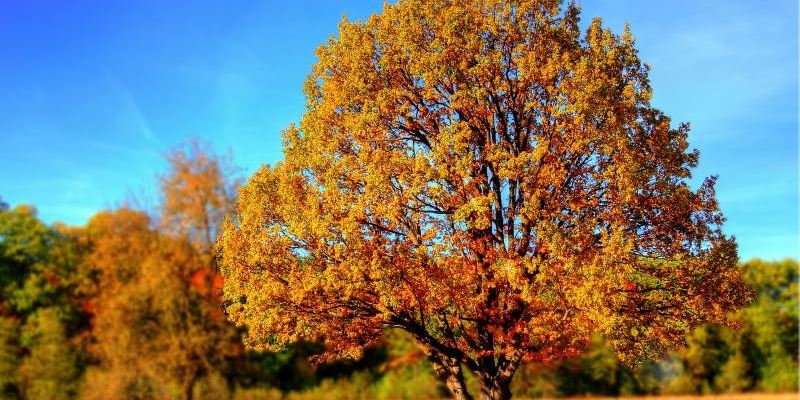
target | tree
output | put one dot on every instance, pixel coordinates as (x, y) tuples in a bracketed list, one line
[(762, 354), (735, 374), (9, 358), (771, 324), (485, 177), (50, 371), (38, 314), (700, 362), (25, 244), (198, 191), (120, 241), (157, 307), (155, 333)]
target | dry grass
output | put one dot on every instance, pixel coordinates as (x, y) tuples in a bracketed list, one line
[(738, 396)]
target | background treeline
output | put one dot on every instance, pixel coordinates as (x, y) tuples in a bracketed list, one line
[(127, 307)]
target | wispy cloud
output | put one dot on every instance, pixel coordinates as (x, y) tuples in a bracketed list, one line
[(130, 106)]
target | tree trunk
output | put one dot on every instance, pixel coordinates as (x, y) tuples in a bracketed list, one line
[(495, 381), (457, 386), (449, 371), (187, 387), (495, 389)]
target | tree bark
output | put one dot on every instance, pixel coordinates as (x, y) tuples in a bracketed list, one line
[(449, 371), (495, 379), (495, 389), (497, 384)]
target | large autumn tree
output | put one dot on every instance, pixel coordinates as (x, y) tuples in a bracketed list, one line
[(486, 177)]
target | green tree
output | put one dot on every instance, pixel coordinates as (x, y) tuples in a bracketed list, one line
[(10, 353), (772, 320), (37, 267), (762, 354), (50, 371), (735, 374), (25, 244), (700, 362)]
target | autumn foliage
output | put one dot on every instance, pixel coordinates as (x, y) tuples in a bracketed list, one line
[(490, 179)]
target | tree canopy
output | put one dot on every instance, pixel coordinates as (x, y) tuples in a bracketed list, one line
[(158, 326), (488, 178)]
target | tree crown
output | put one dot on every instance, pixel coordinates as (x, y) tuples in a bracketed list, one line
[(488, 178)]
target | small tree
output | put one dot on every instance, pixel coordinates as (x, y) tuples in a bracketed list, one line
[(50, 371), (483, 176), (158, 325), (197, 192)]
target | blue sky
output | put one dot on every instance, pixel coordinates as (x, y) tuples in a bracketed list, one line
[(94, 92)]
